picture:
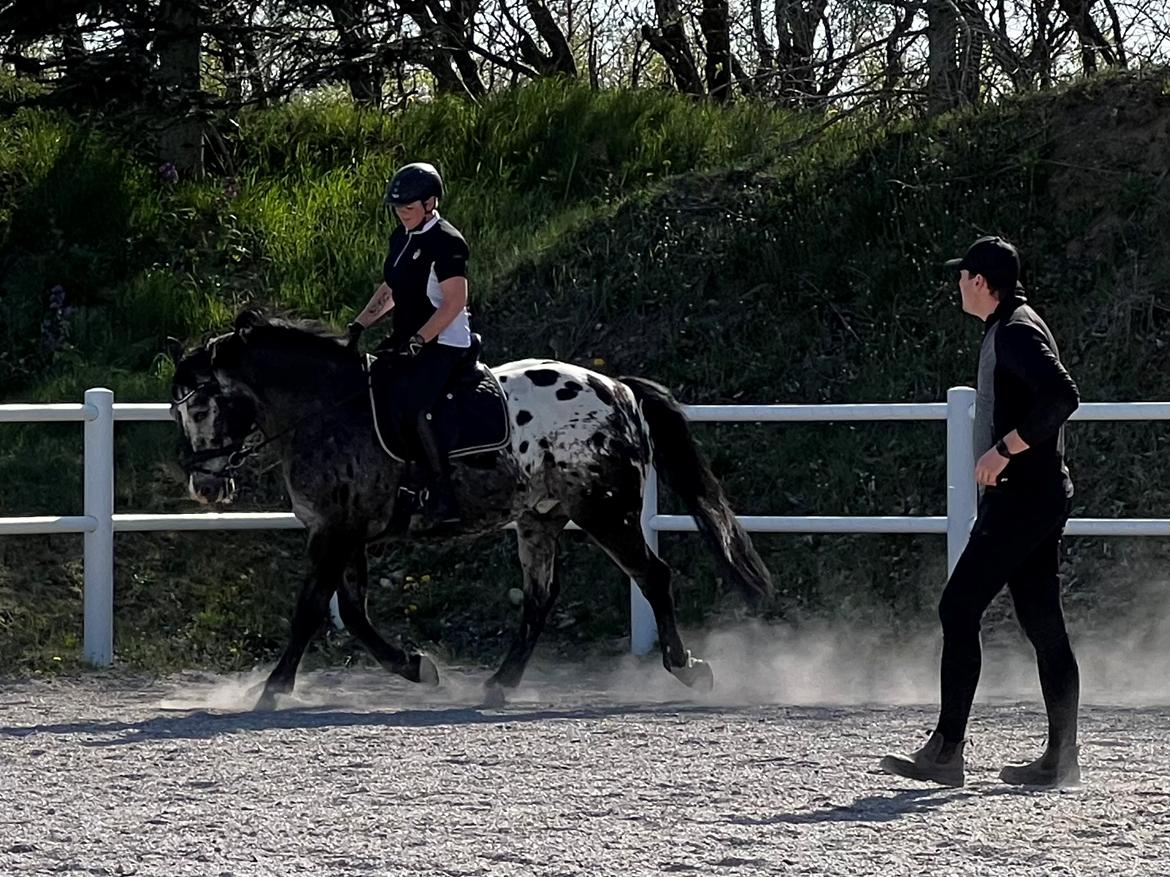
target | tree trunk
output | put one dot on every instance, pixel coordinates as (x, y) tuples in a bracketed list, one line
[(796, 28), (1093, 42), (764, 51), (178, 38), (363, 75), (893, 71), (448, 34), (560, 58), (669, 40), (971, 66), (716, 27), (233, 90), (942, 92)]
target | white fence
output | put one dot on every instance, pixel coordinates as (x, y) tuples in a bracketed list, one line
[(98, 522)]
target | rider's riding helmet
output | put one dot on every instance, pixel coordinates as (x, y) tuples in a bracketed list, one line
[(411, 183)]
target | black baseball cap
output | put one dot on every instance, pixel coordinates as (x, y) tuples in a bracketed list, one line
[(993, 257)]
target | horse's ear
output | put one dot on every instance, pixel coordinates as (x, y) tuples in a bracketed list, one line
[(224, 351), (174, 349), (249, 319)]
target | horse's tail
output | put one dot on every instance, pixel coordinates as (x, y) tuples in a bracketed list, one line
[(686, 472)]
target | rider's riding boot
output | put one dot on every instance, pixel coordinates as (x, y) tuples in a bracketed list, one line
[(440, 506), (936, 762)]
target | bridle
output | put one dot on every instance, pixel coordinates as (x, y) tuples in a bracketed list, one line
[(236, 452)]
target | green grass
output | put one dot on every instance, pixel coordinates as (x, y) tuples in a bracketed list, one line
[(731, 253)]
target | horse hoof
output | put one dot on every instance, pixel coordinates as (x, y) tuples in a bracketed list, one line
[(426, 671), (267, 701), (697, 675), (493, 697)]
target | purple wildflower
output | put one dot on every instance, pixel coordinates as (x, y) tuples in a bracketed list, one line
[(168, 172), (55, 325)]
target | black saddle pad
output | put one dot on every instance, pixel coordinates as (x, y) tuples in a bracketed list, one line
[(471, 417)]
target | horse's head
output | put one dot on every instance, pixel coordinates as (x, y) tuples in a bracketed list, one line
[(265, 372), (213, 424)]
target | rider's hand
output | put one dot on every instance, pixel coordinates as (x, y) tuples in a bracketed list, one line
[(412, 347), (353, 332)]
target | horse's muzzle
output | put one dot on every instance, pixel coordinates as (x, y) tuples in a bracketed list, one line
[(211, 489)]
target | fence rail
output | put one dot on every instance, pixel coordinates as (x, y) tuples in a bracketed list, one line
[(98, 523)]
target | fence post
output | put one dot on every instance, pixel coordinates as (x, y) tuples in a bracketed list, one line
[(962, 497), (98, 626), (643, 629)]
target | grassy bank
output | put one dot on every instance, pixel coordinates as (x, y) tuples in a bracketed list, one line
[(727, 253)]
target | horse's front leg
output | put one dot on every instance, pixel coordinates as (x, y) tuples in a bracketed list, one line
[(327, 557)]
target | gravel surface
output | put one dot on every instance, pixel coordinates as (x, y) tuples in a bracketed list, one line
[(594, 770)]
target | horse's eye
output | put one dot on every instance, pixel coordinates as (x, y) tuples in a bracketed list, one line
[(199, 416)]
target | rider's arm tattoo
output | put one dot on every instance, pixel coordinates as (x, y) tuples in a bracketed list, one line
[(379, 304)]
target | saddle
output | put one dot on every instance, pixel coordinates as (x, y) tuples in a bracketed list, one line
[(470, 418)]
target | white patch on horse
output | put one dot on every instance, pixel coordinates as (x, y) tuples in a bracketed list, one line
[(199, 418), (557, 413)]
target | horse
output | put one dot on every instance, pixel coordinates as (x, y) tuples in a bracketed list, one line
[(579, 447)]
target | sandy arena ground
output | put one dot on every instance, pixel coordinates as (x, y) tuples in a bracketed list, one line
[(599, 769)]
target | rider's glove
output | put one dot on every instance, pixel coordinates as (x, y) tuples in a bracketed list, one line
[(412, 347), (353, 332)]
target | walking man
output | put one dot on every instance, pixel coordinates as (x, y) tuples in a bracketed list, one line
[(1024, 397)]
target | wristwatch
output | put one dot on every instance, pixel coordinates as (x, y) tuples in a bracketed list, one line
[(1003, 451)]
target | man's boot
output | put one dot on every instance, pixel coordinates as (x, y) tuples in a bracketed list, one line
[(1056, 768), (440, 506), (936, 762)]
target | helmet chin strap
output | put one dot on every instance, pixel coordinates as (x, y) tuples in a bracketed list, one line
[(428, 214)]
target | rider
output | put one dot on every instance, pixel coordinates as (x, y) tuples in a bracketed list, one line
[(425, 283)]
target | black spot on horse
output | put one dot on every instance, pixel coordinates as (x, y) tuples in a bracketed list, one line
[(544, 445), (597, 440), (524, 447), (569, 391), (542, 377), (523, 417), (503, 379), (598, 386)]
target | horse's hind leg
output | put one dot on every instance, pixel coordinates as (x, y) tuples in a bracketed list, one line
[(537, 538), (618, 531), (351, 602)]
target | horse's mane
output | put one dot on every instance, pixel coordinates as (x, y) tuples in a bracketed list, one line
[(308, 336)]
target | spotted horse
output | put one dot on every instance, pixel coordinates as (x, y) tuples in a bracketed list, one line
[(578, 449)]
